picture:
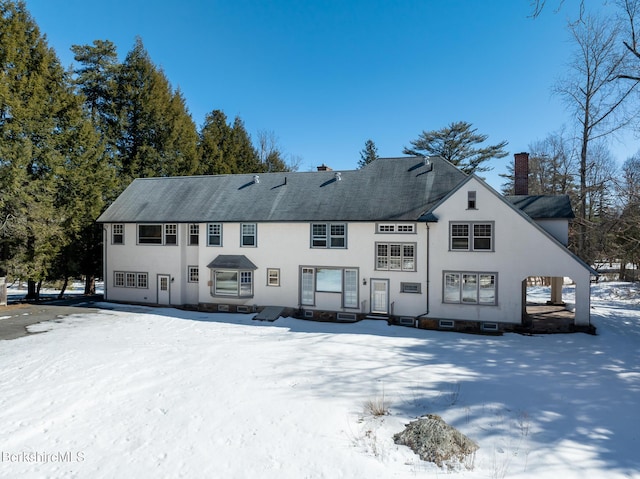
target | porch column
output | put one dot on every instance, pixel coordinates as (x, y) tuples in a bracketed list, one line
[(556, 290), (583, 301)]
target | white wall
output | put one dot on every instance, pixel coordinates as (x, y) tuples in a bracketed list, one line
[(520, 250), (287, 246), (150, 259)]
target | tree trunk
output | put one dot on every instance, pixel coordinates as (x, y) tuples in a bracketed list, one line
[(64, 287), (582, 213), (89, 284), (32, 292)]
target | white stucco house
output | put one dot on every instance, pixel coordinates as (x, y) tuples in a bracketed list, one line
[(411, 239)]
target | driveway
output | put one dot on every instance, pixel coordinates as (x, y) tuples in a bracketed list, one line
[(15, 318)]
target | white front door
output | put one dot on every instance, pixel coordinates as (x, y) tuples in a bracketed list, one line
[(380, 296), (164, 282)]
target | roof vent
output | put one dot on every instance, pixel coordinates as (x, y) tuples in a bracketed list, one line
[(338, 176), (427, 161), (256, 179)]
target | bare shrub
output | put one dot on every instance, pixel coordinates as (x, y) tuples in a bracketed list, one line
[(377, 407)]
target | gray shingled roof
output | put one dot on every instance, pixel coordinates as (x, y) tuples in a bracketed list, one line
[(387, 189), (541, 207)]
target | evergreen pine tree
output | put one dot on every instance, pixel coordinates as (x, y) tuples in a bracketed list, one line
[(39, 114), (214, 135), (458, 143), (368, 154), (158, 137), (242, 149)]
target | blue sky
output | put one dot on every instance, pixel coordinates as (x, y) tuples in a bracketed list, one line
[(327, 75)]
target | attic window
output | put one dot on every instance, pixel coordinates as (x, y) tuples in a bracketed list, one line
[(471, 200)]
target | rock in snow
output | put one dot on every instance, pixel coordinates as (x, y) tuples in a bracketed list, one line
[(435, 441)]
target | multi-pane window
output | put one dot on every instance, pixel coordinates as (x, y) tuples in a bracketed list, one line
[(158, 234), (329, 280), (318, 235), (117, 234), (214, 234), (307, 287), (273, 277), (482, 234), (328, 235), (194, 234), (470, 288), (193, 274), (460, 237), (396, 256), (396, 228), (471, 236), (142, 280), (246, 283), (124, 279), (338, 238), (350, 292), (233, 283), (248, 234), (171, 234)]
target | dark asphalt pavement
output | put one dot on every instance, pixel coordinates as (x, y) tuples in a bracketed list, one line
[(15, 318)]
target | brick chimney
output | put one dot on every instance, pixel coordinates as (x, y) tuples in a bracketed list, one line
[(324, 167), (521, 174)]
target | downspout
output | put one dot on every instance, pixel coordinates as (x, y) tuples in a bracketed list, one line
[(105, 237), (428, 266)]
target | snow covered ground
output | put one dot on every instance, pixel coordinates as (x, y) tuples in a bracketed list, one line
[(148, 392)]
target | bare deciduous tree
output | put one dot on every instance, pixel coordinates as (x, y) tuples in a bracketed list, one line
[(596, 100)]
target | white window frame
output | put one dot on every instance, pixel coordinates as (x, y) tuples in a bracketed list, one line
[(472, 236), (243, 283), (325, 235), (245, 234), (397, 257), (130, 279), (194, 234), (117, 230), (349, 285), (168, 234), (469, 287), (273, 277), (350, 288), (308, 286), (211, 233), (146, 240), (401, 228), (193, 274)]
